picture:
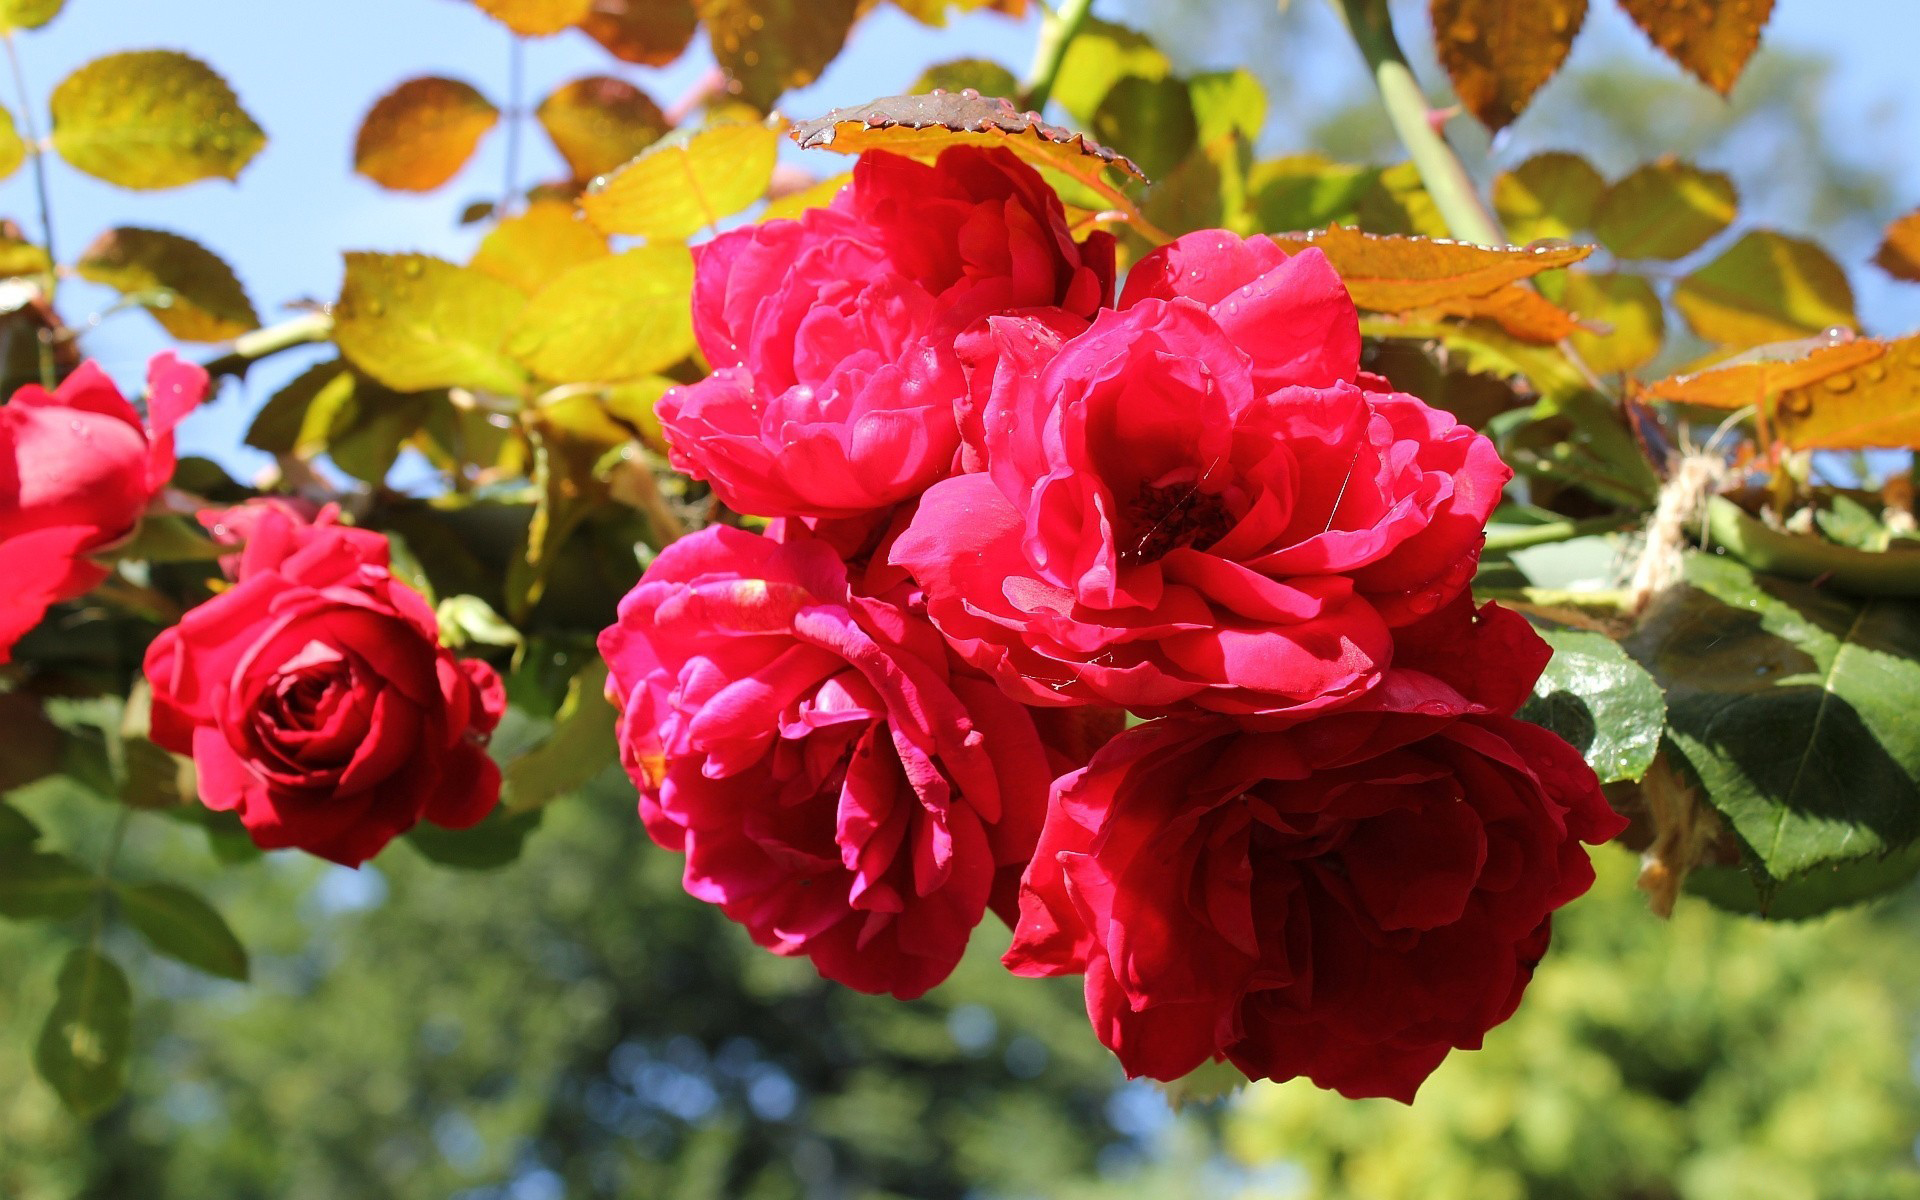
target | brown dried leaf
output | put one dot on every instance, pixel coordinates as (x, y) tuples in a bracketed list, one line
[(922, 126), (599, 122), (650, 32), (1499, 52), (769, 46), (1403, 274), (419, 135), (1711, 38), (536, 18), (1899, 255)]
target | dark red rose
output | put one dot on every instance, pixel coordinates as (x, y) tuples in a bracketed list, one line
[(837, 785), (1346, 899), (832, 335), (78, 467), (317, 702), (1192, 501)]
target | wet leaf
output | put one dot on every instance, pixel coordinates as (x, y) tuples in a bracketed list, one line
[(1552, 195), (1713, 40), (28, 14), (1666, 209), (82, 1051), (1393, 274), (769, 46), (533, 248), (1600, 702), (188, 288), (599, 122), (650, 32), (419, 135), (686, 182), (1872, 402), (983, 75), (922, 126), (43, 886), (1899, 254), (1628, 306), (415, 322), (182, 926), (1766, 287), (1793, 709), (1498, 53), (611, 319), (1753, 378), (152, 119), (536, 18)]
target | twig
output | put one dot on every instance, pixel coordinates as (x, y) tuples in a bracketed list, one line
[(1057, 31)]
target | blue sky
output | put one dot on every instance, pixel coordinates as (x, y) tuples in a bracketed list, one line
[(308, 72)]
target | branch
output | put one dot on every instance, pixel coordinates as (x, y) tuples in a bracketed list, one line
[(250, 348), (1057, 31)]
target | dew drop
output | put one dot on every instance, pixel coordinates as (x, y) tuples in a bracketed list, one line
[(1840, 383)]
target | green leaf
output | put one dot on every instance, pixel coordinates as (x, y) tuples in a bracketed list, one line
[(493, 843), (1100, 56), (467, 619), (44, 886), (1793, 707), (15, 830), (28, 14), (82, 1052), (581, 745), (152, 119), (1551, 195), (18, 256), (332, 409), (1601, 702), (185, 927), (1766, 287), (1306, 191), (1665, 209), (613, 319), (1152, 118), (1227, 102), (415, 322), (1206, 1082), (599, 122), (419, 135), (686, 182), (1808, 895), (983, 75), (188, 288), (13, 151), (169, 539)]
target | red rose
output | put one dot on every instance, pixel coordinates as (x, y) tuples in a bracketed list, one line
[(1345, 899), (832, 335), (837, 787), (77, 469), (1193, 501), (317, 702)]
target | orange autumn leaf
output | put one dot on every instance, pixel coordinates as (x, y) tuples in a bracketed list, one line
[(650, 32), (1711, 38), (1388, 273), (1751, 379), (1519, 310), (1875, 402), (1499, 52), (419, 135), (1899, 254)]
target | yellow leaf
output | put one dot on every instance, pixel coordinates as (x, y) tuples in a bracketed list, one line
[(1713, 39), (414, 322), (187, 288), (1629, 309), (1100, 56), (1517, 309), (419, 135), (152, 119), (13, 151), (1666, 209), (769, 46), (686, 182), (1899, 254), (818, 195), (934, 12), (599, 122), (1766, 287), (1403, 274), (1499, 52), (536, 18), (1873, 403), (1755, 377), (1551, 195), (18, 256), (650, 32), (28, 14), (611, 319), (531, 249)]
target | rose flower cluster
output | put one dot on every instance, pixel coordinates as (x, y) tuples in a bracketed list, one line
[(1009, 511)]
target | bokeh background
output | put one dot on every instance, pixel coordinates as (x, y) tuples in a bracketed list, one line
[(574, 1026)]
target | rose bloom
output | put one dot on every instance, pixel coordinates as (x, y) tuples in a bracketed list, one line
[(317, 701), (832, 334), (1346, 899), (1196, 500), (78, 467), (837, 786)]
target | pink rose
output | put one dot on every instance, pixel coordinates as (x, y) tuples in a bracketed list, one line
[(832, 335), (1193, 501), (1346, 899), (78, 467), (837, 785), (317, 701)]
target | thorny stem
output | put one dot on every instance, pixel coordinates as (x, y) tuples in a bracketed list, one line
[(1441, 170), (38, 153), (1057, 31)]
